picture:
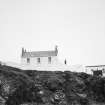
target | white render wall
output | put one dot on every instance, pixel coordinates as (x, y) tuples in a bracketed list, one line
[(55, 65), (43, 61), (43, 65)]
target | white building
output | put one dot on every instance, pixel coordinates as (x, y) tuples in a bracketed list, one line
[(41, 60)]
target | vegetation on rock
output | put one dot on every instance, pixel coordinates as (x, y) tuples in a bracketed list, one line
[(18, 87)]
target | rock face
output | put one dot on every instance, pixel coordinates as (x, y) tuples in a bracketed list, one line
[(28, 87)]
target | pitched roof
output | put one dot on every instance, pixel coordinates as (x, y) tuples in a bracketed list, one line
[(39, 54)]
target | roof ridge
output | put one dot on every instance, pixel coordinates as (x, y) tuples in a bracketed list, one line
[(40, 51)]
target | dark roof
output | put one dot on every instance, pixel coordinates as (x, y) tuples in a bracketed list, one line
[(96, 66), (39, 54)]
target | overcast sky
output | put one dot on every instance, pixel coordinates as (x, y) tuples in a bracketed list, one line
[(76, 26)]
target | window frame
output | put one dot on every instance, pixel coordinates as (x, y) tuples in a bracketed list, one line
[(28, 60), (49, 60), (38, 60)]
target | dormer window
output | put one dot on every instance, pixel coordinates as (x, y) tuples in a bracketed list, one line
[(38, 60), (49, 59), (28, 60)]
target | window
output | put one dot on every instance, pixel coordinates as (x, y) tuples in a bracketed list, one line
[(38, 60), (49, 59), (28, 60)]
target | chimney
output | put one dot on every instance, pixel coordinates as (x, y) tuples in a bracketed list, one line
[(23, 51)]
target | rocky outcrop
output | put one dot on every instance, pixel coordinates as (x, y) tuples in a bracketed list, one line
[(28, 87)]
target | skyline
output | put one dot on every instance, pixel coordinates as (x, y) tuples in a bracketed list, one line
[(77, 27)]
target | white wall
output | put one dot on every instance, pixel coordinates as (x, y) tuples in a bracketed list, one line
[(43, 61)]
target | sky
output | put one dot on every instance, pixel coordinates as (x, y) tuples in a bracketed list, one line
[(77, 27)]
